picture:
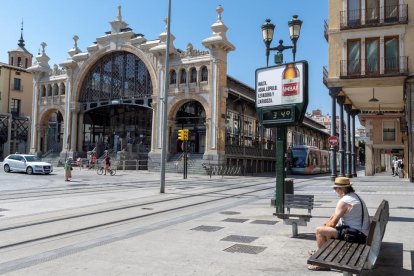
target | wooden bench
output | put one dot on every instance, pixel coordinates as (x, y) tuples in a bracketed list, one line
[(293, 201), (351, 257)]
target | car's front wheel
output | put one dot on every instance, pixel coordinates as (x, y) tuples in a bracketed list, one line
[(6, 168), (29, 170)]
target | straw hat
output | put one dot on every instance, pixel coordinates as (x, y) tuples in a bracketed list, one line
[(342, 182)]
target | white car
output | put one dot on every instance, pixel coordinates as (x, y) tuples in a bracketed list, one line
[(26, 163)]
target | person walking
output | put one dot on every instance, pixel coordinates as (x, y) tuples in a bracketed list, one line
[(68, 169), (395, 166), (350, 212), (93, 161), (107, 162)]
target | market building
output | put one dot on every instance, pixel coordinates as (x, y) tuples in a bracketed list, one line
[(108, 98)]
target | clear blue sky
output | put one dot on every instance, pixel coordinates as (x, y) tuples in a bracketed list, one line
[(55, 22)]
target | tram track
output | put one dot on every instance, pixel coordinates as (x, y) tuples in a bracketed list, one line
[(77, 189), (71, 190), (19, 235)]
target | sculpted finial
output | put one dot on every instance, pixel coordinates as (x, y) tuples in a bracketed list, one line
[(119, 17), (76, 38), (219, 12), (43, 44)]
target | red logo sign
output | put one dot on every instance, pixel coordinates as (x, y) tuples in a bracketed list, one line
[(333, 140), (290, 89)]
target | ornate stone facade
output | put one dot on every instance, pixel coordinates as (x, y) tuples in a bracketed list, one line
[(195, 76)]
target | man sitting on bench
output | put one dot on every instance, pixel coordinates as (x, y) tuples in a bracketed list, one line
[(350, 212)]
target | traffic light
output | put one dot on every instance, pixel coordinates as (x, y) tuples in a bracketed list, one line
[(185, 134), (181, 134)]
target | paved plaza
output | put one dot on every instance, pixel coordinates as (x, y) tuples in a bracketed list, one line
[(200, 226)]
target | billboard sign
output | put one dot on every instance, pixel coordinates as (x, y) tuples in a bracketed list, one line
[(282, 93)]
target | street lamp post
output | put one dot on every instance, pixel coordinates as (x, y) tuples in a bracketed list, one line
[(165, 104), (267, 33), (268, 29)]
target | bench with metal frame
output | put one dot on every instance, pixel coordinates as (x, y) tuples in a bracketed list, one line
[(293, 201), (353, 258)]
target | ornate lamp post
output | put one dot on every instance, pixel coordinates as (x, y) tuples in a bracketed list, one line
[(268, 29), (267, 32)]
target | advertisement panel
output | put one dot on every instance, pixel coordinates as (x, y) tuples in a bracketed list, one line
[(280, 85), (282, 93)]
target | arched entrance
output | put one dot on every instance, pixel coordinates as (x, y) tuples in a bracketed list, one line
[(116, 98), (192, 116), (51, 133), (116, 128)]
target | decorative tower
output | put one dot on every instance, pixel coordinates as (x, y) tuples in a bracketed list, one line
[(20, 56), (219, 47)]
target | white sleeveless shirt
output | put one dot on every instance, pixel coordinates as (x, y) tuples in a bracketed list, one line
[(353, 217)]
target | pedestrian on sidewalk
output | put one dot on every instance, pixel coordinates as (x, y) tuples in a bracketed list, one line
[(79, 163), (92, 162), (350, 212), (107, 162), (395, 166), (68, 169)]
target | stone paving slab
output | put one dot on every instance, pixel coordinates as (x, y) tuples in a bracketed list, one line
[(178, 249)]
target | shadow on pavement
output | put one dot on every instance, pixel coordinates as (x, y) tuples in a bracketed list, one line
[(306, 236), (390, 260)]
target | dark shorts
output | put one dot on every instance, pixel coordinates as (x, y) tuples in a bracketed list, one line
[(341, 231)]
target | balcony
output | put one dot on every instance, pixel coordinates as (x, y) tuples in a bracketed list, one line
[(325, 30), (372, 17), (372, 68)]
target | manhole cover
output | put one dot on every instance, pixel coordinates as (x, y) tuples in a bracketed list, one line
[(261, 221), (242, 239), (229, 213), (242, 248), (207, 228), (235, 220)]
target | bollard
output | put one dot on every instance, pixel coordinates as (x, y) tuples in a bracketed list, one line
[(289, 188), (294, 229)]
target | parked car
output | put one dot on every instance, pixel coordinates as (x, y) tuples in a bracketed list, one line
[(26, 163)]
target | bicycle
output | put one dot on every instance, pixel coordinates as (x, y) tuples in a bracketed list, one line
[(101, 170)]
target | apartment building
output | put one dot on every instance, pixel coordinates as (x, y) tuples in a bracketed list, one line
[(369, 75), (16, 97)]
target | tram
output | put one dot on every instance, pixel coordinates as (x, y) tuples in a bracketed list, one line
[(309, 160)]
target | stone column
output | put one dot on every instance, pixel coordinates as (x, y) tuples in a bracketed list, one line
[(333, 92), (369, 160), (354, 112), (40, 130), (34, 130), (341, 101), (74, 130), (67, 137), (80, 132), (44, 135), (348, 108)]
